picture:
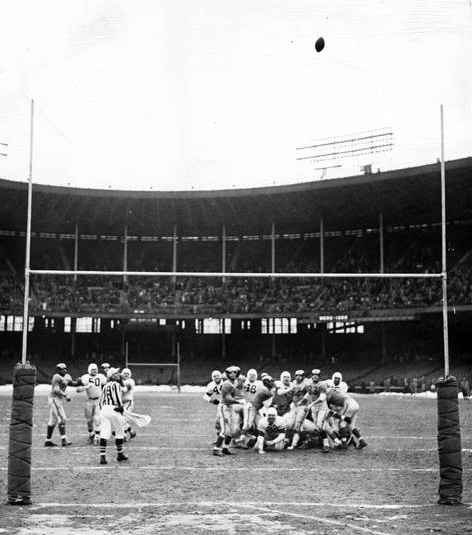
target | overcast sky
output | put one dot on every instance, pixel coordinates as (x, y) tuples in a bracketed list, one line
[(216, 94)]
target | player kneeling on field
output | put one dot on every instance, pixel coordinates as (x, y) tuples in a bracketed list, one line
[(270, 432), (111, 415)]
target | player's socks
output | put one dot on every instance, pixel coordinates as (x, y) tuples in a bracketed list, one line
[(119, 448), (295, 441), (62, 431), (49, 432)]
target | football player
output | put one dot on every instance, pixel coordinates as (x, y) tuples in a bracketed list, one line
[(250, 387), (300, 403), (128, 398), (57, 415), (318, 406), (230, 392), (270, 432), (92, 383), (346, 409), (337, 382), (213, 395)]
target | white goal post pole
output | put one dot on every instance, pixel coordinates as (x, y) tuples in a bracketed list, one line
[(24, 345), (443, 252)]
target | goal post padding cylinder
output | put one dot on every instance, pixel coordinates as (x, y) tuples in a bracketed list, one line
[(21, 435), (449, 442)]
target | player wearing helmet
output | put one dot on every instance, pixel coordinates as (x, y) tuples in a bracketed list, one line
[(300, 388), (283, 395), (92, 383), (128, 398), (250, 387), (57, 416), (318, 406), (337, 382), (213, 396), (346, 409), (230, 397), (270, 432)]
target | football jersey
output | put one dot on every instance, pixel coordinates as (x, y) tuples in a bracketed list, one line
[(282, 400), (316, 389), (228, 393), (336, 398), (59, 384), (128, 390), (213, 391), (299, 390), (93, 384), (261, 395), (250, 389), (342, 386), (271, 430)]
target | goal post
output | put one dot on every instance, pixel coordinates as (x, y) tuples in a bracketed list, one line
[(173, 365)]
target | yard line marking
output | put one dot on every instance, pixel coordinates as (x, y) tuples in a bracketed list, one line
[(131, 505), (318, 519), (217, 468)]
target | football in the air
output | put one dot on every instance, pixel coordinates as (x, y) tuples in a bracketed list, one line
[(319, 45)]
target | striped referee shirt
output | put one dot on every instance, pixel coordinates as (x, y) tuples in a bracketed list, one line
[(111, 395)]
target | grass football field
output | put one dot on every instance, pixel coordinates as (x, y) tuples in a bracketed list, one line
[(172, 484)]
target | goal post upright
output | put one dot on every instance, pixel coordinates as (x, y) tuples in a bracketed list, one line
[(449, 433), (24, 381)]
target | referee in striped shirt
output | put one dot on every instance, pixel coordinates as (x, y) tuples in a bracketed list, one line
[(111, 415)]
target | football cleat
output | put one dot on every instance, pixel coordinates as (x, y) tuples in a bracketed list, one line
[(50, 444), (217, 452), (132, 434), (325, 449), (65, 443), (362, 444), (103, 460), (226, 451), (122, 457)]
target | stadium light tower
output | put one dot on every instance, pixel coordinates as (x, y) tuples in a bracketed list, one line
[(347, 146)]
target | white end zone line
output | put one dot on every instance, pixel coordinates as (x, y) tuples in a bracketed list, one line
[(138, 505), (217, 468)]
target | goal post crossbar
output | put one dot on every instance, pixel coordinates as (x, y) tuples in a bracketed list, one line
[(238, 275), (161, 364)]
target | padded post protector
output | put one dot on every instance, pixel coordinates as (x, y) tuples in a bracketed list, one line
[(21, 434), (449, 442)]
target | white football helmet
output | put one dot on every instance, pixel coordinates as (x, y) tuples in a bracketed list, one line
[(285, 377), (216, 376), (252, 375), (92, 369), (126, 373)]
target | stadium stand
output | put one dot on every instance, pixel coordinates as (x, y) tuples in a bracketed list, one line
[(376, 330)]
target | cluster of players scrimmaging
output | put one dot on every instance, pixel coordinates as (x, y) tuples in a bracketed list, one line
[(268, 415), (109, 407)]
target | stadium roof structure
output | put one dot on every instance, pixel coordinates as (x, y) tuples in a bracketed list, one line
[(403, 197)]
